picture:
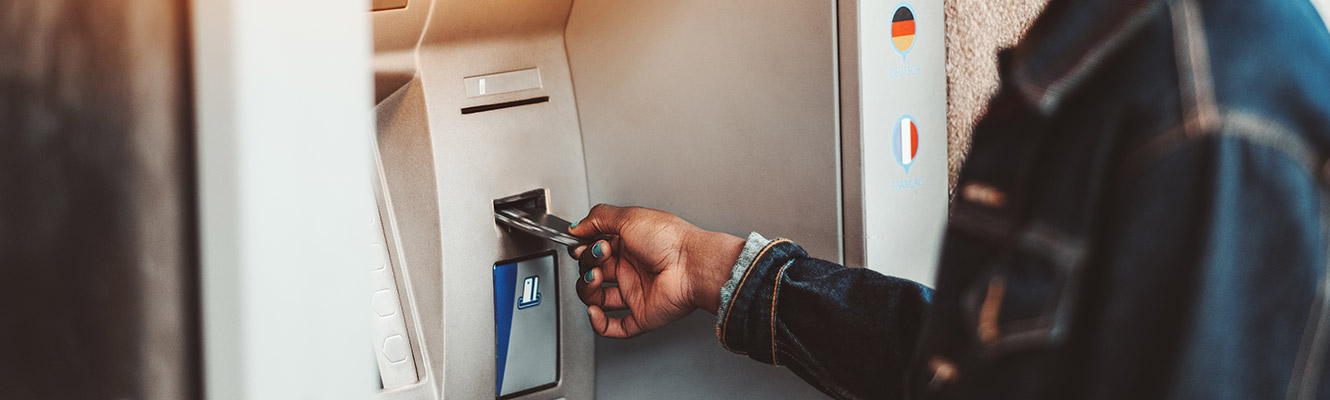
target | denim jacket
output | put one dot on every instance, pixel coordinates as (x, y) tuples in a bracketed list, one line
[(1143, 214)]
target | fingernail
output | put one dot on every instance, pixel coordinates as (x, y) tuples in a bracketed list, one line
[(574, 225), (595, 250), (589, 276)]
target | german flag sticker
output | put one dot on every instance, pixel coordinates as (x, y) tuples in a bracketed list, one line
[(902, 29)]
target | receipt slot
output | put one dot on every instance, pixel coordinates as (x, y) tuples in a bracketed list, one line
[(526, 330)]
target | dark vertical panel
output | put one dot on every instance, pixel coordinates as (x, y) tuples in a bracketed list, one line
[(98, 270), (851, 139)]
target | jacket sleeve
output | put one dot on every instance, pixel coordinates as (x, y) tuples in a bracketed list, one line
[(850, 332)]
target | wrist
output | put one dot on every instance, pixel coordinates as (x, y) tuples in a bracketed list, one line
[(711, 258)]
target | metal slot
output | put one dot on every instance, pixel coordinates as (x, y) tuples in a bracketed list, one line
[(531, 202), (499, 106), (527, 213)]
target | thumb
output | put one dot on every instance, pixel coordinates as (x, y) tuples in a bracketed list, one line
[(604, 219)]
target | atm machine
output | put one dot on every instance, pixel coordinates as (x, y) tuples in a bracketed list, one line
[(820, 121)]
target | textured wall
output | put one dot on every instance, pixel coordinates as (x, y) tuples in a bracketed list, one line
[(976, 30)]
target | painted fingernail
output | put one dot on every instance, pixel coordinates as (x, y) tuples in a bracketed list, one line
[(574, 225), (589, 276), (595, 250)]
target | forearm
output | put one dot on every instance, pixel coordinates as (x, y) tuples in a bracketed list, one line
[(848, 331)]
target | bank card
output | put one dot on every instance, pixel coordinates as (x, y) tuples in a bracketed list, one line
[(545, 226)]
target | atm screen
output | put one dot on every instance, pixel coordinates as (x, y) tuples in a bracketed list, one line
[(526, 324)]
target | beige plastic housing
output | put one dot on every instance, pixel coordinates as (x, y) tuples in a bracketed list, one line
[(442, 170), (737, 115)]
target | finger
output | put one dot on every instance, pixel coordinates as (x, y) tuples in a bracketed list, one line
[(597, 318), (612, 260), (591, 292), (585, 262), (600, 250), (603, 219), (588, 287), (622, 328), (596, 255)]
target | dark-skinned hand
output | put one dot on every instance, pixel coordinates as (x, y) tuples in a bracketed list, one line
[(664, 268)]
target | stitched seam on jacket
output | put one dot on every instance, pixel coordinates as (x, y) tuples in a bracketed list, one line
[(1048, 97), (1067, 256), (1311, 352), (1065, 253), (775, 295), (1241, 125), (1192, 52), (724, 326)]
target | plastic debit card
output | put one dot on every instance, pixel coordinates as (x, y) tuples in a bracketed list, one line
[(544, 226)]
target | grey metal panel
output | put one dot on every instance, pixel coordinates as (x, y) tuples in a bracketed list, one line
[(684, 361), (724, 113), (721, 112)]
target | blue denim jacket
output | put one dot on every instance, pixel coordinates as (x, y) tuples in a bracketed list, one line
[(1144, 214)]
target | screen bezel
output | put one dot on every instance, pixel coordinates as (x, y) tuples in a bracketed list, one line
[(558, 317)]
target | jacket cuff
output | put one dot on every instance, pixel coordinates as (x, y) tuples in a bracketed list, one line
[(744, 320), (754, 245)]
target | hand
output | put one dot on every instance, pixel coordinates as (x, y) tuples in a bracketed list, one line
[(664, 266)]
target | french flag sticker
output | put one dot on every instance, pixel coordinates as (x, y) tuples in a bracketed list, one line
[(905, 142)]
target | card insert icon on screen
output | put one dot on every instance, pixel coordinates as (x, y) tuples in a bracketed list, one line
[(530, 293)]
